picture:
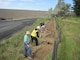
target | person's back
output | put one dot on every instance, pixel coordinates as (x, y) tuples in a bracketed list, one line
[(35, 34), (42, 25)]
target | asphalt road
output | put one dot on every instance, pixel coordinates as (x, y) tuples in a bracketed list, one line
[(7, 28)]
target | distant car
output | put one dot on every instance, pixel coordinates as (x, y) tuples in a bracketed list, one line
[(2, 19)]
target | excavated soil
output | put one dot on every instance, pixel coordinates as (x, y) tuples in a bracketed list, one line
[(46, 42)]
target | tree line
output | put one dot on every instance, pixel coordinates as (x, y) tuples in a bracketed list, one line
[(65, 9)]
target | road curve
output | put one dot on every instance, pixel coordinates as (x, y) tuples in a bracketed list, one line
[(7, 28)]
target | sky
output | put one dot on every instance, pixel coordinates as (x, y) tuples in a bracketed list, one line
[(43, 5)]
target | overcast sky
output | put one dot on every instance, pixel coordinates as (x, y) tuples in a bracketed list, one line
[(30, 4)]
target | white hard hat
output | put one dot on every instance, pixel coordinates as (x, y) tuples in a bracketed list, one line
[(38, 27), (27, 32)]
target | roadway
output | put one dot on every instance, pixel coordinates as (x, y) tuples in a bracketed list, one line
[(8, 28)]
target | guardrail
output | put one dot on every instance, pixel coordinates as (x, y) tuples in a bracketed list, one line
[(57, 40)]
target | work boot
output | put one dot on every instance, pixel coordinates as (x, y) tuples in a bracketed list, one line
[(25, 56)]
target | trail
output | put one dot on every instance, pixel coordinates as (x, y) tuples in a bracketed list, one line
[(46, 42)]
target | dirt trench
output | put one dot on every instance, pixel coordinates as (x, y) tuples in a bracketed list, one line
[(45, 43)]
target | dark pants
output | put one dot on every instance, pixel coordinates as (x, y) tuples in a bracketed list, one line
[(36, 40)]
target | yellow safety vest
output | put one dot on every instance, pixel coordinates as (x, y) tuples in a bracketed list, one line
[(34, 33)]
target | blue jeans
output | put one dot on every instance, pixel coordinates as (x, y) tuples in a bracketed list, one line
[(27, 50)]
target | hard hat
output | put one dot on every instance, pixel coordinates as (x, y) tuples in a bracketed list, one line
[(27, 32), (38, 27)]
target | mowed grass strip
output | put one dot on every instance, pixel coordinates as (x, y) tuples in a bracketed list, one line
[(12, 48), (69, 48)]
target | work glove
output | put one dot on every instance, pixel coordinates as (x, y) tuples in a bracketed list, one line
[(28, 45)]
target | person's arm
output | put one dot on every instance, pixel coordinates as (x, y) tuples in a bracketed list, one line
[(27, 44), (25, 39), (37, 34)]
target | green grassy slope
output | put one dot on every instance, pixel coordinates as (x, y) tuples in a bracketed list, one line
[(12, 48), (69, 48)]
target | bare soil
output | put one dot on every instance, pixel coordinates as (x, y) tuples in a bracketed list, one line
[(11, 14), (46, 43)]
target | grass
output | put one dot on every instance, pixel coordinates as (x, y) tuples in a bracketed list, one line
[(13, 19), (69, 48), (49, 57), (12, 48), (77, 19), (74, 19)]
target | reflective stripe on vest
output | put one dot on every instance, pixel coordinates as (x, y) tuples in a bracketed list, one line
[(34, 33)]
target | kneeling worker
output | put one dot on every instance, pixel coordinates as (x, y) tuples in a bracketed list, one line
[(35, 34)]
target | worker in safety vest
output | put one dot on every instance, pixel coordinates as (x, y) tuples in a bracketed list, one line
[(35, 34)]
